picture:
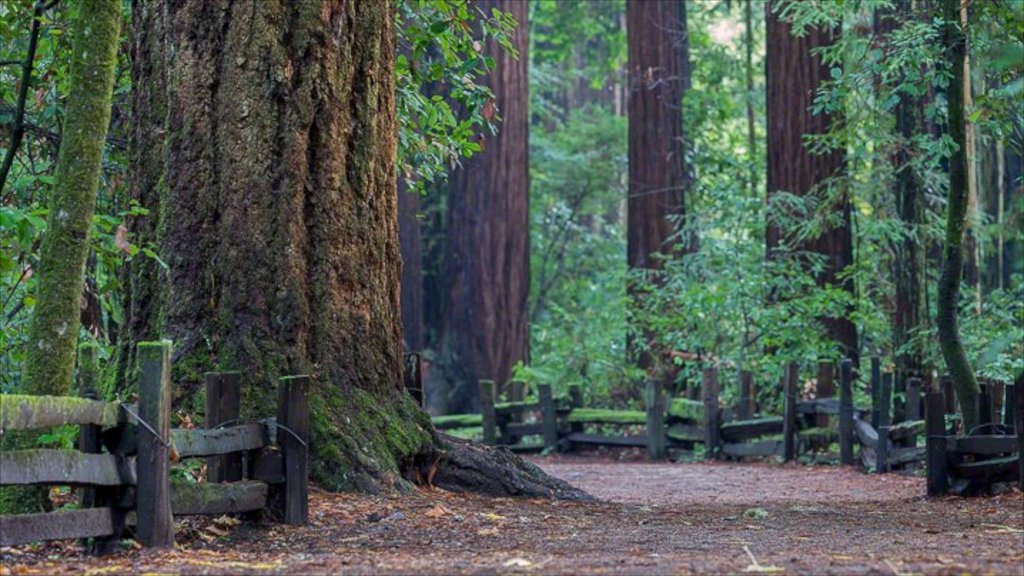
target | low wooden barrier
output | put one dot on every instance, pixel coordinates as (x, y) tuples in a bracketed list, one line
[(562, 423), (125, 453), (968, 464)]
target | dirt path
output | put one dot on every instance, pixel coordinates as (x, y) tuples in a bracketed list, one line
[(656, 519)]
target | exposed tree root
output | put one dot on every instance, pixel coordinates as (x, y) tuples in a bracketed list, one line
[(463, 466)]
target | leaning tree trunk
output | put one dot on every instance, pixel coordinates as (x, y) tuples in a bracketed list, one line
[(50, 354), (793, 74), (50, 359), (264, 147), (948, 300), (484, 331), (658, 54)]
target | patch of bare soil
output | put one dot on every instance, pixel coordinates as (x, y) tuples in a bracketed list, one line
[(655, 519)]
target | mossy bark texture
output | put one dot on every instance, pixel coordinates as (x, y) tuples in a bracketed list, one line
[(947, 303), (54, 333), (264, 141)]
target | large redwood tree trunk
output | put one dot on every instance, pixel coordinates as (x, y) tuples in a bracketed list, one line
[(793, 74), (658, 77), (484, 331), (264, 147)]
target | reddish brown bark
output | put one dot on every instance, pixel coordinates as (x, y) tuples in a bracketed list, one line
[(411, 243), (484, 329), (658, 78), (793, 74), (656, 171)]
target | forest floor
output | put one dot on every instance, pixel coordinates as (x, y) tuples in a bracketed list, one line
[(652, 519)]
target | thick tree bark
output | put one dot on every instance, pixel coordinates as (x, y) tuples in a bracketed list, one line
[(485, 325), (410, 239), (910, 313), (948, 301), (793, 74), (53, 337), (264, 147), (658, 78)]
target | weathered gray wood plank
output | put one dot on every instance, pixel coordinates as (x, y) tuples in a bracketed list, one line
[(746, 429), (903, 456), (64, 467), (214, 499), (84, 523), (867, 435), (599, 440), (760, 448), (25, 412), (986, 445), (198, 442)]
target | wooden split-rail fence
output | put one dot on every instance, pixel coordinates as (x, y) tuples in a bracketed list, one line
[(898, 413), (125, 453)]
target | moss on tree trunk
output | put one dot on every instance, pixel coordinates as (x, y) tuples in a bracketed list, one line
[(264, 140), (50, 359), (948, 300), (53, 337)]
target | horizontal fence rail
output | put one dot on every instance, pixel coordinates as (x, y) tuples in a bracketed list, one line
[(125, 454)]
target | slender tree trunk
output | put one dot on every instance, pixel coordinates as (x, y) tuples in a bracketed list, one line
[(793, 74), (53, 337), (748, 19), (656, 33), (410, 240), (264, 147), (485, 326), (972, 244), (947, 304)]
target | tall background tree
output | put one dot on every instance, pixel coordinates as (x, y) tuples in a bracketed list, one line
[(658, 77), (484, 329), (794, 72)]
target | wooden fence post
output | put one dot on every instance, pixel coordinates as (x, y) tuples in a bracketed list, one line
[(746, 407), (946, 384), (884, 421), (789, 413), (550, 416), (655, 404), (1010, 406), (998, 391), (413, 376), (984, 410), (846, 412), (155, 526), (913, 399), (898, 400), (825, 388), (223, 404), (575, 401), (711, 417), (293, 437), (1018, 418), (88, 434), (489, 419), (876, 389), (935, 443)]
